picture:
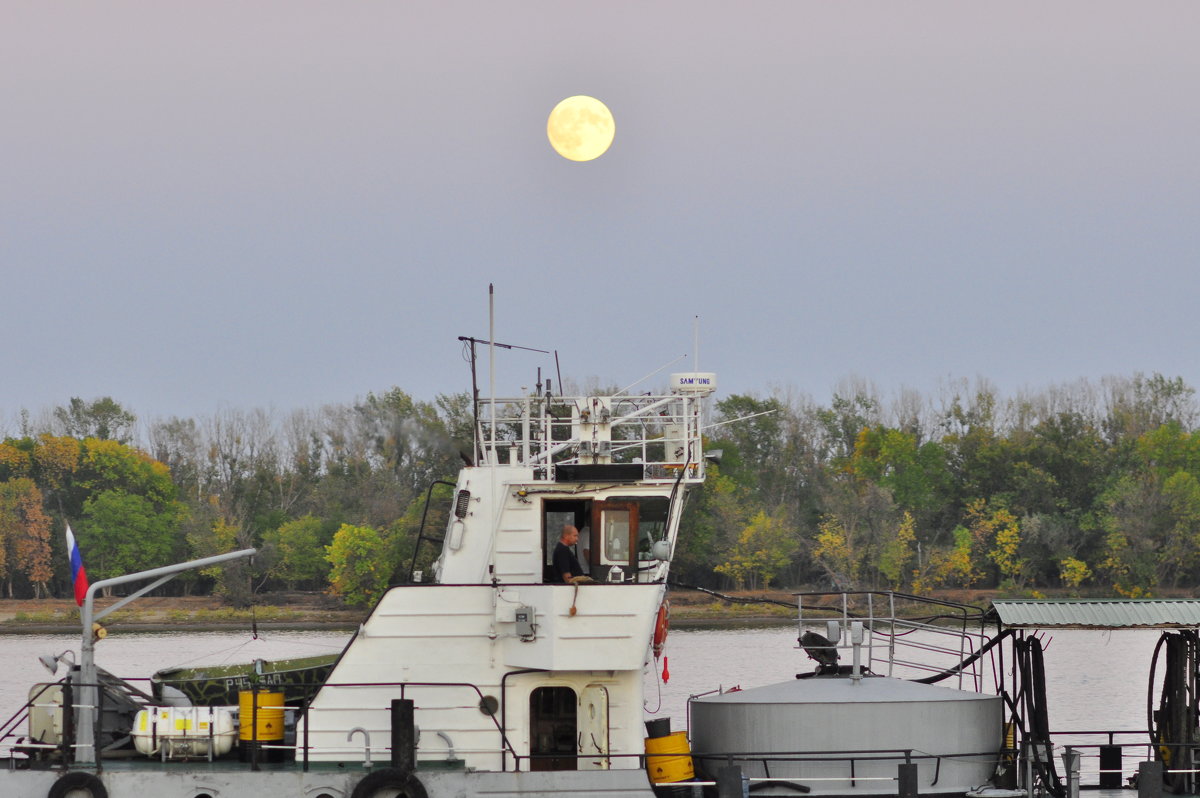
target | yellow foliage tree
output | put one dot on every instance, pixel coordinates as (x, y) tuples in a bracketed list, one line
[(997, 537), (949, 567), (835, 553), (897, 552), (1073, 572), (764, 548), (359, 570)]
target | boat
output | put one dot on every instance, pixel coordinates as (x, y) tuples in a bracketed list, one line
[(219, 685), (497, 676)]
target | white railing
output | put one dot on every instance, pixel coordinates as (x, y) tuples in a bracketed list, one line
[(657, 438)]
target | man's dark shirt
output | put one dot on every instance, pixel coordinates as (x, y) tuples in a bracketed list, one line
[(565, 561)]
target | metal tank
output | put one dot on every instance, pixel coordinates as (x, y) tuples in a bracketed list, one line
[(841, 736)]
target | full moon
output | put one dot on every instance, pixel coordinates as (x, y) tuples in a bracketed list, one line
[(580, 128)]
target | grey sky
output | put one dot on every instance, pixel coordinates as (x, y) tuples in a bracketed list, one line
[(291, 203)]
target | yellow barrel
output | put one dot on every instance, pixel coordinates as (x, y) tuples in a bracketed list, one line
[(677, 766), (269, 717)]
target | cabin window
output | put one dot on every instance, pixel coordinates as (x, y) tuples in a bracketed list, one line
[(616, 535), (552, 729), (630, 527), (652, 523), (557, 514)]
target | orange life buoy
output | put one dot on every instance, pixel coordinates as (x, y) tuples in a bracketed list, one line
[(660, 628)]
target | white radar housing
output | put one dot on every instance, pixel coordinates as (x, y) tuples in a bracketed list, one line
[(695, 383)]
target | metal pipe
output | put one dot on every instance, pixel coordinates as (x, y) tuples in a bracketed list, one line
[(366, 744), (85, 750)]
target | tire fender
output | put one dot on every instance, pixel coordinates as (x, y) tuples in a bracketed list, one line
[(78, 780), (407, 783)]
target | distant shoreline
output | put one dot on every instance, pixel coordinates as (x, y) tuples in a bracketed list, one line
[(139, 627), (298, 611)]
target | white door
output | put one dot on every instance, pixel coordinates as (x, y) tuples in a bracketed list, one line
[(593, 728)]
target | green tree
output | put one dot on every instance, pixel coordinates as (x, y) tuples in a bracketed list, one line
[(358, 568), (917, 475), (300, 551), (896, 553), (101, 418), (123, 533), (1179, 552), (751, 440), (715, 515), (1133, 516)]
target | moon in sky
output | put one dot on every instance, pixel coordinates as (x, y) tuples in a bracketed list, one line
[(580, 128)]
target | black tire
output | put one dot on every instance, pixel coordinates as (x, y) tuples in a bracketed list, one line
[(407, 784), (78, 780)]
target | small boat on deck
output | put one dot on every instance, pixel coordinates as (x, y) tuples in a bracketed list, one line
[(218, 685)]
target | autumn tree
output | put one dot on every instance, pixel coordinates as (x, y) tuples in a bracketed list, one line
[(358, 568), (24, 536), (764, 549)]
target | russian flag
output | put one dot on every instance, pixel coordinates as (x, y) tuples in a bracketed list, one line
[(78, 574)]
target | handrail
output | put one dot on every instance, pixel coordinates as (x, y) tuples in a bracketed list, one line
[(506, 744), (421, 538)]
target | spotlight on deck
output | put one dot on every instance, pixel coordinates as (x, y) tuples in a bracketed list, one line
[(51, 662), (714, 456)]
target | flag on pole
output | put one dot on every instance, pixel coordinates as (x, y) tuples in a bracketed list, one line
[(78, 574)]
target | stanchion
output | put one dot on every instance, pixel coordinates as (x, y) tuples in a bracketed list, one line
[(730, 783), (1150, 780), (1070, 758), (404, 742), (907, 776)]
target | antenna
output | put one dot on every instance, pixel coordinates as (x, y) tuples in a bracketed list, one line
[(696, 342), (651, 374), (492, 360)]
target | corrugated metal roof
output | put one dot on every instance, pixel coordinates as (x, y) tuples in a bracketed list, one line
[(1098, 613)]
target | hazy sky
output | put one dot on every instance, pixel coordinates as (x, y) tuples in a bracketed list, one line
[(283, 204)]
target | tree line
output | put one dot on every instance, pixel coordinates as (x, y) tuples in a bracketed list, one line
[(1086, 486)]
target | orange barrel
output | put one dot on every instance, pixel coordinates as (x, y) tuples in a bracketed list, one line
[(669, 758), (269, 717)]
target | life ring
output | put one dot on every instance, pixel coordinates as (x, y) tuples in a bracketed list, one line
[(399, 783), (75, 782), (660, 628)]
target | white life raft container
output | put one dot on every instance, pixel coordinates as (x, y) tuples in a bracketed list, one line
[(184, 732)]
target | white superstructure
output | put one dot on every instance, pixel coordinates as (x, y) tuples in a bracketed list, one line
[(508, 667)]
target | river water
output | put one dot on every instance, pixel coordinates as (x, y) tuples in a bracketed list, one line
[(1095, 680)]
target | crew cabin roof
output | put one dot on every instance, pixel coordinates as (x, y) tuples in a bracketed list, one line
[(1098, 613)]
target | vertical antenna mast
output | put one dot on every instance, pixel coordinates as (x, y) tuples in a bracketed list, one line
[(696, 344), (492, 361)]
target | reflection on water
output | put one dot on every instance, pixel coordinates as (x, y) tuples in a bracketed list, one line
[(1095, 680)]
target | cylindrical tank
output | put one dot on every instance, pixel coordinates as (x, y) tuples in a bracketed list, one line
[(951, 735), (667, 758), (269, 716), (183, 732)]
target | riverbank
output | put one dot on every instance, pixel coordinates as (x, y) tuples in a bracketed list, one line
[(297, 610)]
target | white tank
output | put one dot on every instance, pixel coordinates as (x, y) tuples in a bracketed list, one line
[(954, 736), (184, 732)]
